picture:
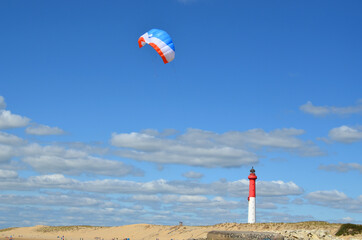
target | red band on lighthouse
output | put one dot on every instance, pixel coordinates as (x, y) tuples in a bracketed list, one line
[(252, 178)]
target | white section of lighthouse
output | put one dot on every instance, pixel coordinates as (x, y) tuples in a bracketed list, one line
[(252, 177)]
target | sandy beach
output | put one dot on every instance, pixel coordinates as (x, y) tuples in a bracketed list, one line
[(160, 232)]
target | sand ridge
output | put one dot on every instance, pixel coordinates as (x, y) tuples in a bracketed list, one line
[(153, 232)]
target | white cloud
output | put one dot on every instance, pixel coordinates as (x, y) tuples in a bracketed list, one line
[(9, 139), (284, 139), (2, 103), (275, 216), (190, 206), (347, 220), (44, 130), (187, 198), (346, 134), (335, 199), (78, 166), (327, 196), (9, 120), (6, 153), (139, 141), (146, 198), (37, 150), (315, 110), (8, 174), (184, 199), (51, 200), (270, 202), (274, 188), (324, 110), (53, 181), (55, 159), (207, 149), (164, 133), (159, 201), (148, 148), (192, 174), (59, 159), (220, 188), (278, 188), (342, 167), (279, 138)]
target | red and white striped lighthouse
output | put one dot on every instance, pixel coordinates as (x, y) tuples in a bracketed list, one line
[(252, 177)]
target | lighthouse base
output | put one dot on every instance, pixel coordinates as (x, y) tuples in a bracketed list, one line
[(251, 215), (239, 235)]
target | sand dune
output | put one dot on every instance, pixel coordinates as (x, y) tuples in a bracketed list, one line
[(153, 232)]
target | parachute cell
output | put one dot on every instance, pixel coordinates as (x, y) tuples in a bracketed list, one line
[(161, 42)]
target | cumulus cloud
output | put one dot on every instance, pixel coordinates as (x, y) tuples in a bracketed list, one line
[(167, 198), (273, 188), (71, 214), (219, 188), (192, 201), (144, 147), (271, 202), (204, 207), (9, 139), (55, 159), (279, 138), (192, 174), (74, 160), (60, 159), (346, 134), (283, 217), (2, 103), (325, 110), (9, 120), (327, 196), (44, 130), (10, 146), (208, 149), (284, 139), (335, 199), (278, 188), (347, 220), (78, 166), (8, 174), (6, 153), (341, 167), (54, 200), (50, 181)]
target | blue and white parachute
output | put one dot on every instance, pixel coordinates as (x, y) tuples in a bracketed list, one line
[(161, 42)]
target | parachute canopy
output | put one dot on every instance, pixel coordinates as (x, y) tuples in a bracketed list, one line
[(161, 42)]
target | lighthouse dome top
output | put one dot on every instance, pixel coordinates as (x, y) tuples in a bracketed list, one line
[(252, 175)]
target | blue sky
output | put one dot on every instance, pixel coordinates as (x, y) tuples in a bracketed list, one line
[(94, 130)]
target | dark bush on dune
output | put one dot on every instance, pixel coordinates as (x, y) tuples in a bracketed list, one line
[(349, 229)]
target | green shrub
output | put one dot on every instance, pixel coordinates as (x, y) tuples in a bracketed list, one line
[(349, 229)]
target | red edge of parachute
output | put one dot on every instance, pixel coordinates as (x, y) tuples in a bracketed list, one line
[(161, 42)]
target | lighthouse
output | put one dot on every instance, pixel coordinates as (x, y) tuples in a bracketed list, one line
[(252, 177)]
